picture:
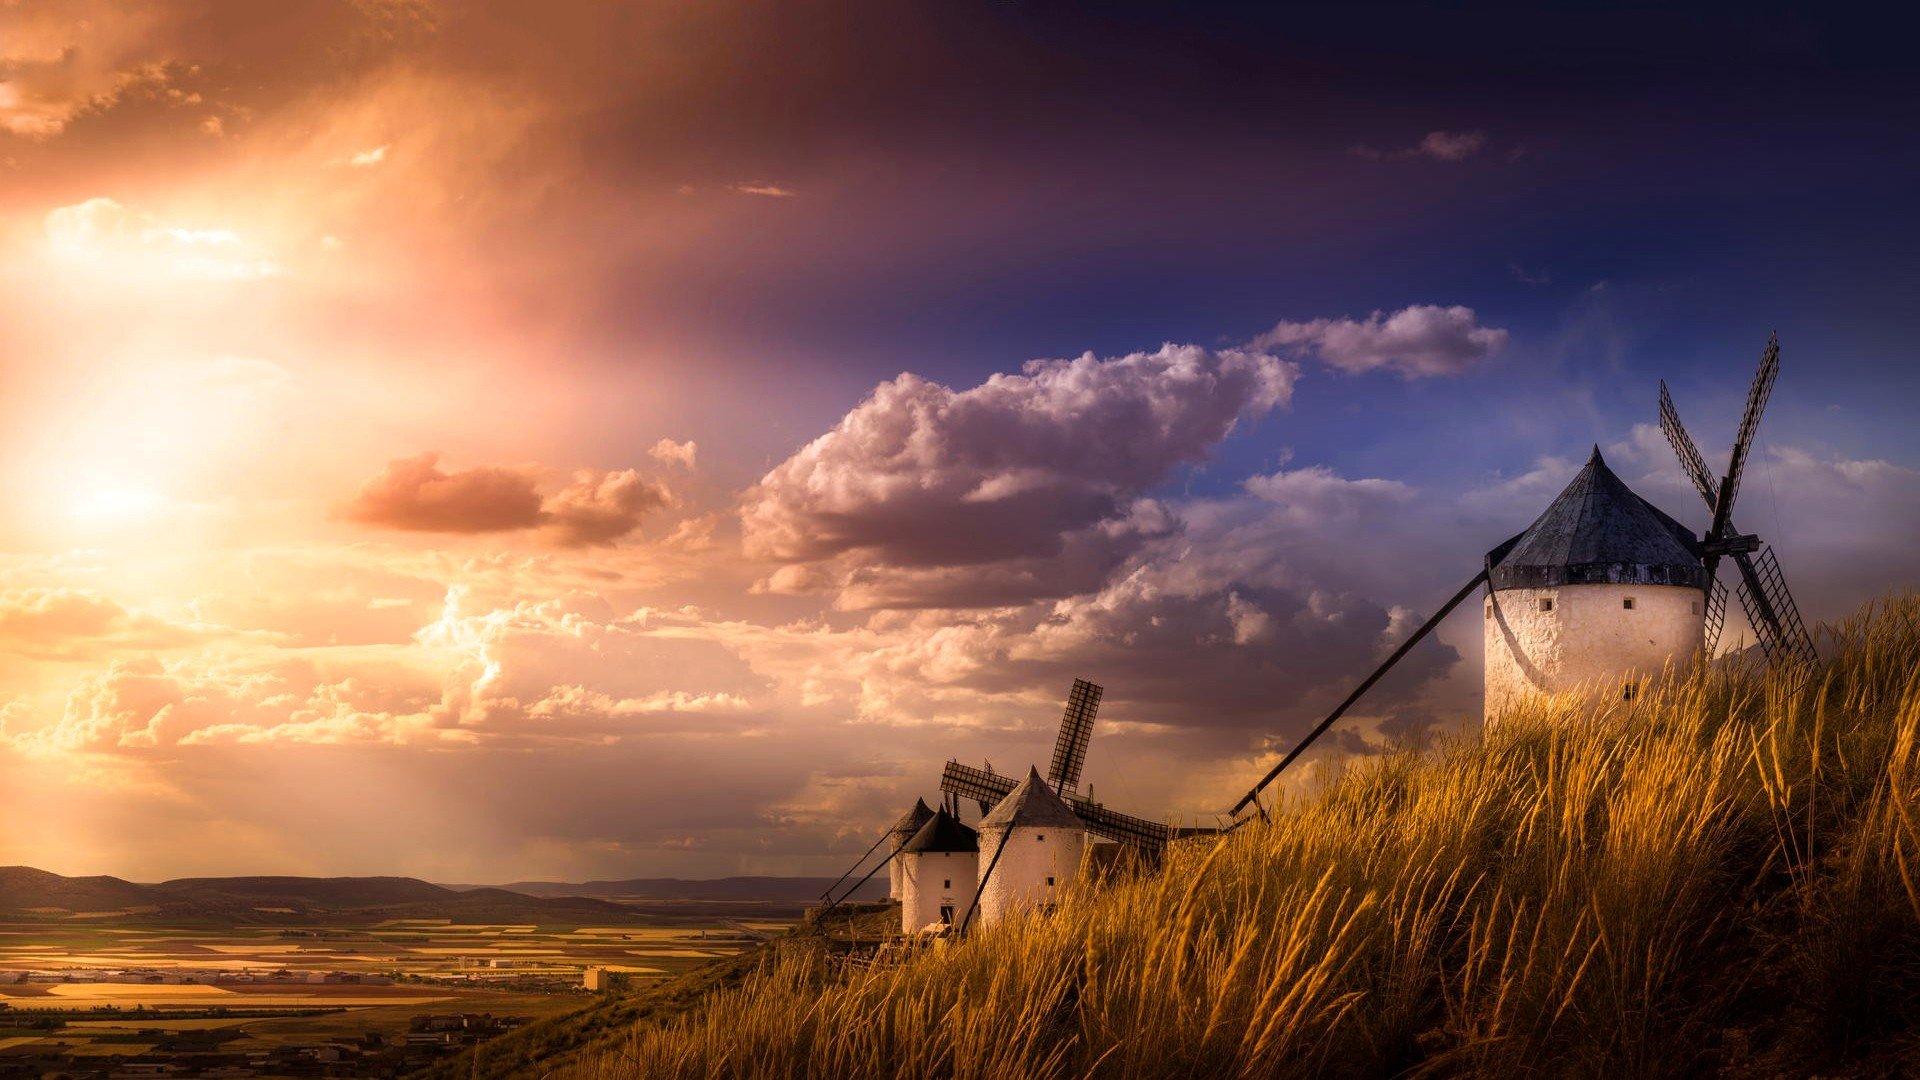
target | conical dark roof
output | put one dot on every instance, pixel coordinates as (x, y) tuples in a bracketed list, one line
[(910, 822), (942, 832), (1032, 804), (1599, 532)]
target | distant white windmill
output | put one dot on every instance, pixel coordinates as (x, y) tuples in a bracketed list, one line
[(1011, 884)]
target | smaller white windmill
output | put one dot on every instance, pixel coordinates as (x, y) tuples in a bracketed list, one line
[(992, 790), (988, 788)]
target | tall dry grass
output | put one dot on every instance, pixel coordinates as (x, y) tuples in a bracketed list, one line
[(1721, 876)]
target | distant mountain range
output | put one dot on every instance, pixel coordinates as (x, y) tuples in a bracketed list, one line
[(788, 889), (26, 891)]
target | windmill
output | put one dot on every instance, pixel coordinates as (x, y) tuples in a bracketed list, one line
[(1763, 588), (1602, 558), (987, 787)]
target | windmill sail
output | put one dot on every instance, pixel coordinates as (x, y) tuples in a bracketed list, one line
[(1757, 396), (980, 785), (1118, 827), (1690, 457), (987, 788), (1763, 587), (1076, 730), (1770, 608), (1716, 613)]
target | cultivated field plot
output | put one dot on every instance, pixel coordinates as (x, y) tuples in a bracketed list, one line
[(406, 951), (126, 989)]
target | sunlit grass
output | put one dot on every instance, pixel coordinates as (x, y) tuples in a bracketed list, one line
[(1724, 873)]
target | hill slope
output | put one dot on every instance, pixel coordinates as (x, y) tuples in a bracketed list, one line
[(24, 888), (797, 889), (1722, 877), (336, 892)]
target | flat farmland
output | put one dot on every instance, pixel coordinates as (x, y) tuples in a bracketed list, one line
[(404, 950), (71, 996), (118, 988)]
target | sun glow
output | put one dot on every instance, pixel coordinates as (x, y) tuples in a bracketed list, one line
[(136, 439), (117, 503), (102, 236)]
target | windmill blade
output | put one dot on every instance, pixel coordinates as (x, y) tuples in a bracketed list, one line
[(988, 788), (1683, 445), (1770, 608), (1076, 730), (1695, 465), (980, 785), (1757, 396), (1123, 828), (1716, 614)]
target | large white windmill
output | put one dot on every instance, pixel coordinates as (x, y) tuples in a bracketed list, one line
[(1604, 588)]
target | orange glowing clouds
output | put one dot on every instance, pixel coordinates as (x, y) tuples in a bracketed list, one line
[(65, 58), (417, 495)]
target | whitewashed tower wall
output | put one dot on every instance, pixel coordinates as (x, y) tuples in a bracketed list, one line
[(1602, 639), (934, 880), (1033, 871), (897, 837)]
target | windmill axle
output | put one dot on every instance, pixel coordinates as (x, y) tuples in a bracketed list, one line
[(1732, 545)]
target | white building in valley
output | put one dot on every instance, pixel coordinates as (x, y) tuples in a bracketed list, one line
[(1600, 593), (1031, 846), (939, 869)]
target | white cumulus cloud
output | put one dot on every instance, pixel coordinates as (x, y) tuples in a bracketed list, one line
[(1416, 341), (1011, 482)]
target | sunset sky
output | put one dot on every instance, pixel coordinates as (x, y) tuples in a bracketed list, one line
[(488, 440)]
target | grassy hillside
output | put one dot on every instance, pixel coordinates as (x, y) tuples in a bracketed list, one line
[(595, 1028), (1717, 878)]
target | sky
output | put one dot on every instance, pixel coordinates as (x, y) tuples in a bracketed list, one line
[(488, 441)]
